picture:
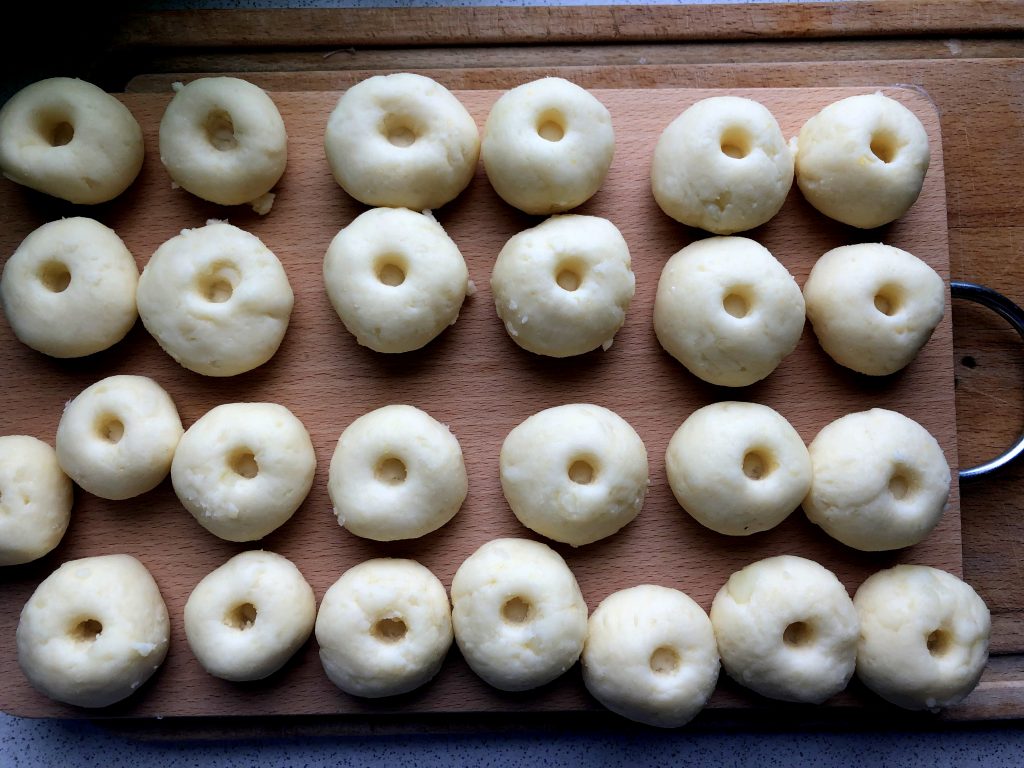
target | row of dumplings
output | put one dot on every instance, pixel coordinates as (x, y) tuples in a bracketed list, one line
[(219, 301), (97, 628), (574, 473), (404, 140)]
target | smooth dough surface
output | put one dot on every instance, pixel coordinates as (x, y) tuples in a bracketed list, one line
[(243, 469), (873, 306), (384, 628), (70, 139), (547, 146), (738, 468), (117, 437), (35, 499), (69, 288), (395, 279), (402, 141), (216, 299), (722, 165), (519, 617), (562, 288), (223, 139), (728, 310), (574, 473), (396, 473), (787, 629), (924, 636), (880, 481), (94, 631), (862, 160), (651, 655), (245, 619)]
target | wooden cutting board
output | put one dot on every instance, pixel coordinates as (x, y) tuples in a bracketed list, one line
[(473, 378)]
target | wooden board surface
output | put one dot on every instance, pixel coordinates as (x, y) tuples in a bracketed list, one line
[(473, 378)]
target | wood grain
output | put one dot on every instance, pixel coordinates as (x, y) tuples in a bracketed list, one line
[(473, 378), (497, 25)]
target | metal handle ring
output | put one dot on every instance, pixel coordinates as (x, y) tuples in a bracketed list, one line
[(1014, 315)]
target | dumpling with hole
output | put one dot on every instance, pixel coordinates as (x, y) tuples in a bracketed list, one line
[(547, 146), (723, 165), (738, 468), (384, 628), (216, 299), (898, 491), (395, 278), (562, 288), (396, 473), (575, 473), (519, 616), (728, 310), (243, 469), (873, 306), (787, 629), (862, 160), (651, 655)]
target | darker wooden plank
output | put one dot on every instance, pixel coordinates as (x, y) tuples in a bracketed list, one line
[(594, 24)]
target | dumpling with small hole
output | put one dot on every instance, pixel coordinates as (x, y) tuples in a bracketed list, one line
[(723, 165), (873, 307), (862, 160)]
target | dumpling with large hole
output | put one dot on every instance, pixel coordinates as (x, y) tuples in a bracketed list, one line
[(723, 165), (728, 310), (898, 492), (563, 287), (519, 617), (787, 629), (574, 473), (243, 469), (862, 160), (873, 306), (395, 279), (216, 299), (70, 139)]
